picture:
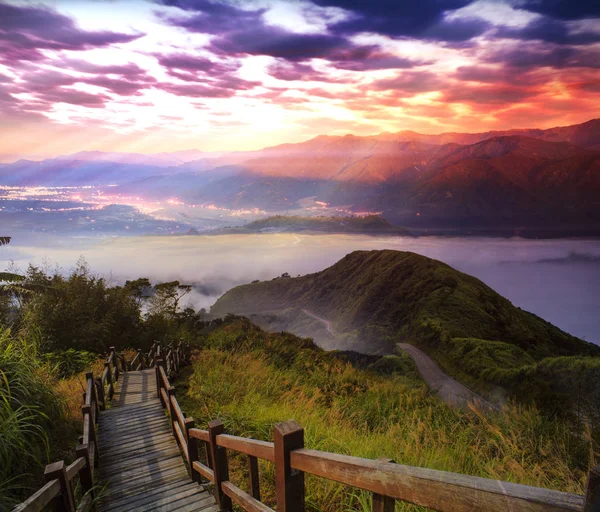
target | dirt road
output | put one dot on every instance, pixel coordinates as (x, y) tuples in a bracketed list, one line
[(449, 390), (327, 323)]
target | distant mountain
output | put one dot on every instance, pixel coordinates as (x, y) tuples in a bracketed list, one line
[(155, 160), (377, 297), (371, 224), (533, 182), (586, 135)]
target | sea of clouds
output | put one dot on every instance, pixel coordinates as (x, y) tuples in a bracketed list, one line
[(558, 280)]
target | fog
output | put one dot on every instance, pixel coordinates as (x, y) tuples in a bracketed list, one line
[(558, 280)]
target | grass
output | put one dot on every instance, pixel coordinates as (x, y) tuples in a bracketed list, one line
[(40, 415), (252, 380)]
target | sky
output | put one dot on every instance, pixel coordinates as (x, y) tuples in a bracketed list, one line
[(223, 75)]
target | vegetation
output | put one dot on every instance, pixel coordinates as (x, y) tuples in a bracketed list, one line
[(370, 407), (365, 405), (369, 224), (53, 329)]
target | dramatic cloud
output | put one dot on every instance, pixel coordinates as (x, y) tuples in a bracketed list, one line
[(24, 31), (231, 74)]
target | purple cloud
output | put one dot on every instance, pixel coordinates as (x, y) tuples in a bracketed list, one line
[(24, 31)]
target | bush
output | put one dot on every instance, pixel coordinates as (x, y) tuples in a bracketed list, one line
[(29, 406)]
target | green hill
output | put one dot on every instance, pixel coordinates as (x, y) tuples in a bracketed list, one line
[(391, 296), (370, 224)]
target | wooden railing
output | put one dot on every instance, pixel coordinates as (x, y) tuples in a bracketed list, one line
[(59, 477), (386, 480)]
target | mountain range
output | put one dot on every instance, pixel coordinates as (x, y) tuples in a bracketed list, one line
[(510, 181)]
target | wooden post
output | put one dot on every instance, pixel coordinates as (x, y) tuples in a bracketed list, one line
[(100, 391), (289, 483), (116, 363), (141, 356), (65, 502), (192, 449), (159, 363), (592, 493), (86, 475), (94, 398), (253, 477), (383, 503), (218, 455), (108, 374), (85, 409), (171, 409)]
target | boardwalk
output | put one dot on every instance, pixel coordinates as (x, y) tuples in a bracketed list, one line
[(140, 460)]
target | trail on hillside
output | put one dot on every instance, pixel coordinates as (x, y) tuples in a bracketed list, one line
[(327, 323), (449, 390)]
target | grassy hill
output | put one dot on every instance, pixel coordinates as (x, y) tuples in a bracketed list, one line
[(377, 407), (370, 224), (375, 299), (402, 296)]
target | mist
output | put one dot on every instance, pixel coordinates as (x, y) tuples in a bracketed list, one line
[(559, 280)]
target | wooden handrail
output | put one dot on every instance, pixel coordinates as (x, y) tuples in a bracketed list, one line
[(58, 488), (438, 490), (386, 480), (40, 499), (253, 447)]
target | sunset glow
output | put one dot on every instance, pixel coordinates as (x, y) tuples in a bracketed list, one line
[(228, 75)]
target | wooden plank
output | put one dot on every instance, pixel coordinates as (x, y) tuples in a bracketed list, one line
[(255, 448), (156, 494), (200, 434), (163, 376), (186, 497), (205, 471), (133, 462), (438, 490), (178, 413), (181, 438), (243, 499), (39, 499), (74, 468)]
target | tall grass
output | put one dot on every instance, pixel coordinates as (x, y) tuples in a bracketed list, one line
[(251, 380), (29, 406)]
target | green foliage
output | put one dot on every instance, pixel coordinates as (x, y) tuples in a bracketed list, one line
[(85, 313), (69, 362), (374, 407), (400, 364), (384, 297), (29, 406), (406, 297)]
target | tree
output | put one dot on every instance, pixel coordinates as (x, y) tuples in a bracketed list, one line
[(166, 298), (139, 289)]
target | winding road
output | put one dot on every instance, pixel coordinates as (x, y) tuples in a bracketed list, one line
[(327, 323), (449, 390)]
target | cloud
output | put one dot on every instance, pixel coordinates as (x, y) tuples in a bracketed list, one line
[(410, 82), (25, 30), (244, 32), (551, 31), (563, 9), (541, 55), (423, 19)]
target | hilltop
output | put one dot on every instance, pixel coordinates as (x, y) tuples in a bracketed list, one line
[(389, 296), (370, 224)]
